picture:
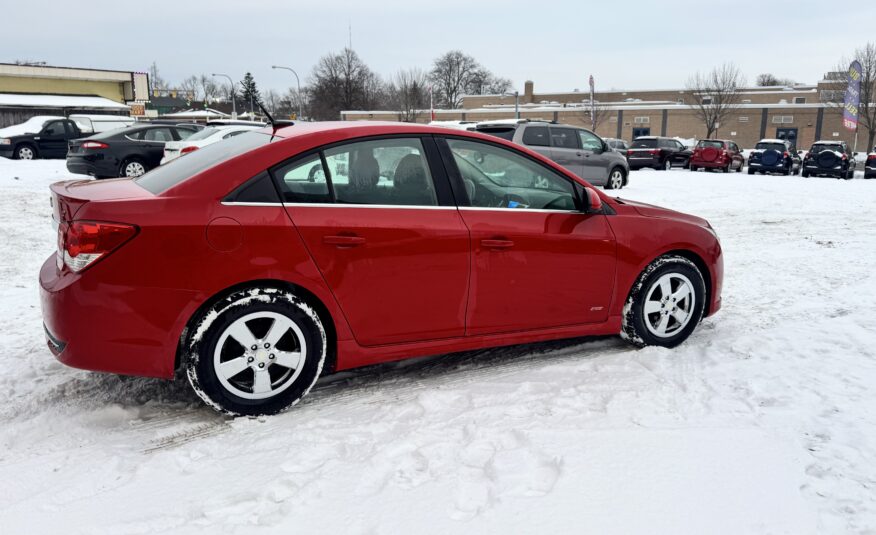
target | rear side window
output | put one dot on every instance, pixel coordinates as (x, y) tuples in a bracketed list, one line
[(502, 132), (644, 144), (564, 138), (158, 134), (304, 180), (177, 171), (536, 136)]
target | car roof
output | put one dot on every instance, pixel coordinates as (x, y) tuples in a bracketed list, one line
[(782, 141), (362, 128), (828, 142)]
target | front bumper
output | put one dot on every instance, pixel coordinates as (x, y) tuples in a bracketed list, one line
[(95, 325), (6, 151)]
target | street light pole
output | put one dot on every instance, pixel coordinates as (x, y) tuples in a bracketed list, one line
[(516, 96), (298, 82), (233, 100)]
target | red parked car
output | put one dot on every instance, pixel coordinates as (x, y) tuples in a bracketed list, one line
[(262, 261), (717, 154)]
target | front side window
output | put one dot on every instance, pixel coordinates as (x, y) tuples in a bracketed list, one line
[(590, 141), (55, 129), (496, 177), (564, 138)]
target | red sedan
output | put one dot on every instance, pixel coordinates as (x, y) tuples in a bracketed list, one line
[(260, 262)]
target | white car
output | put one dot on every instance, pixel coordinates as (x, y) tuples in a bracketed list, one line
[(202, 138)]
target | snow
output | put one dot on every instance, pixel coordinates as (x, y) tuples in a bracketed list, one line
[(58, 101), (762, 423), (30, 126)]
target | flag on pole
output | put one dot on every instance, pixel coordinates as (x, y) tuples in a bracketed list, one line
[(592, 104), (853, 96)]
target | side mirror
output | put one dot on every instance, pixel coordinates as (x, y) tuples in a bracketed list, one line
[(592, 201)]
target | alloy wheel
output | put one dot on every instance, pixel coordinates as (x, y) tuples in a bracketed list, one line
[(25, 153), (134, 169), (616, 179), (669, 305)]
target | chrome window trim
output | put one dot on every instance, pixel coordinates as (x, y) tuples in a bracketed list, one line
[(401, 206)]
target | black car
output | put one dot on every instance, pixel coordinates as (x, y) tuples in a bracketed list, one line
[(38, 137), (662, 153), (870, 166), (125, 151), (830, 158), (774, 156)]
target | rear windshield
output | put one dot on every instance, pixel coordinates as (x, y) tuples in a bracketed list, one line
[(503, 132), (644, 144), (771, 146), (204, 133), (818, 148), (706, 143), (176, 171)]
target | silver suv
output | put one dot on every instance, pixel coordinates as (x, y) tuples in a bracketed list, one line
[(577, 149)]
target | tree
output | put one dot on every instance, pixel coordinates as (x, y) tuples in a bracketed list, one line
[(593, 116), (483, 82), (770, 80), (272, 102), (716, 95), (249, 92), (190, 88), (410, 93), (341, 81), (208, 88), (156, 82), (835, 96)]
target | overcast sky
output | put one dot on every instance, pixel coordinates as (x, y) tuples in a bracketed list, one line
[(624, 44)]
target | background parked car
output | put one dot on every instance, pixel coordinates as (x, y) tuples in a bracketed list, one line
[(830, 158), (662, 153), (124, 152), (95, 124), (207, 136), (717, 154), (774, 156), (617, 144), (43, 136), (870, 166), (577, 149)]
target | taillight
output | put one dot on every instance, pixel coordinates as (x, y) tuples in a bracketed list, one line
[(871, 158), (94, 145), (845, 156), (186, 150), (630, 152), (81, 243), (786, 154), (654, 152)]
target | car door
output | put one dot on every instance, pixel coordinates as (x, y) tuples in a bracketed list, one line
[(537, 260), (566, 150), (679, 154), (152, 144), (381, 225), (52, 140), (536, 138), (597, 159)]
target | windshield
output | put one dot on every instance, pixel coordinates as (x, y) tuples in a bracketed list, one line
[(176, 171), (202, 134), (771, 146), (706, 143), (644, 144)]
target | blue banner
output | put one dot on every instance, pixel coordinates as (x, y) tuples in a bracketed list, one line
[(853, 97)]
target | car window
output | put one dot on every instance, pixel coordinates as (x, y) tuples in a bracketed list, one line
[(679, 145), (781, 147), (590, 141), (825, 146), (158, 134), (496, 177), (233, 133), (386, 171), (650, 143), (504, 132), (564, 138), (304, 180), (204, 133), (185, 133), (54, 128), (536, 136), (709, 143)]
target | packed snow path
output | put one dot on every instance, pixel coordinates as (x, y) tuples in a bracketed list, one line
[(763, 422)]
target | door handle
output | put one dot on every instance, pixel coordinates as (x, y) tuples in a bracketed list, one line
[(497, 244), (343, 241)]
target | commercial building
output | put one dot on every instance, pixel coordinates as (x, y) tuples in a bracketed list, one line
[(801, 113)]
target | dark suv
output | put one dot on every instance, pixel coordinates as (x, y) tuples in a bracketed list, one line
[(577, 149), (830, 158), (870, 166), (774, 156), (661, 153)]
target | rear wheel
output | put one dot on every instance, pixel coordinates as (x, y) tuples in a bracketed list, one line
[(25, 152), (850, 174), (750, 171), (131, 168), (665, 304), (259, 351), (615, 179), (693, 167), (727, 167), (667, 165)]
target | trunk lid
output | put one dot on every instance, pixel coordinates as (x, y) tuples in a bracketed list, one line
[(70, 195)]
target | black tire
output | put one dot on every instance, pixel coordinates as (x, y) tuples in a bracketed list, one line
[(665, 165), (850, 174), (692, 168), (741, 165), (612, 182), (727, 168), (200, 352), (25, 151), (750, 171), (132, 161), (804, 174), (635, 329)]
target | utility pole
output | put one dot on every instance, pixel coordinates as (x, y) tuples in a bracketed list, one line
[(298, 82), (516, 96), (233, 100)]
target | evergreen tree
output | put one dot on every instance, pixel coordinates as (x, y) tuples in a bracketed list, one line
[(249, 92)]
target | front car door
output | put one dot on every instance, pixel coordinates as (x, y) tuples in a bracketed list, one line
[(537, 260), (380, 223), (597, 162), (52, 141)]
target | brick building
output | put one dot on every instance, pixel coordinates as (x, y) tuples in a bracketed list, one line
[(799, 113)]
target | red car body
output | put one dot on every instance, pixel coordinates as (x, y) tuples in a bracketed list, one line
[(717, 154), (426, 281)]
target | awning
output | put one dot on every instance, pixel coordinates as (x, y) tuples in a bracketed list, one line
[(59, 101)]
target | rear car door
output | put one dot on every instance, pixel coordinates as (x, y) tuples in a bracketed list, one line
[(567, 151), (52, 140), (537, 260), (379, 220)]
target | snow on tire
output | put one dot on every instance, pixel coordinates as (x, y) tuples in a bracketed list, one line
[(258, 351), (665, 304)]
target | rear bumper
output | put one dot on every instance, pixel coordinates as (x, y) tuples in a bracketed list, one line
[(714, 164), (637, 162), (105, 327), (757, 166), (817, 170), (869, 171)]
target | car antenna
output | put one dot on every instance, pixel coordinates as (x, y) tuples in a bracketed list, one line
[(274, 123)]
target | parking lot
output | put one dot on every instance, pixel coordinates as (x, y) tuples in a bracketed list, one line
[(761, 422)]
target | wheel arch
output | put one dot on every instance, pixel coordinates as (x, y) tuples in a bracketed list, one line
[(309, 297), (701, 265), (26, 143)]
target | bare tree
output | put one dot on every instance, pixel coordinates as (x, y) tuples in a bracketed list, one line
[(716, 95), (770, 80), (156, 82), (835, 95), (272, 101), (410, 93), (595, 115), (341, 81), (451, 75), (208, 88), (190, 88)]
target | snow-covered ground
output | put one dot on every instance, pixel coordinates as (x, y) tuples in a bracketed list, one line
[(763, 422)]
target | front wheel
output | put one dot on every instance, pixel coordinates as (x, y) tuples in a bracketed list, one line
[(259, 351), (615, 179), (665, 304), (25, 152)]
